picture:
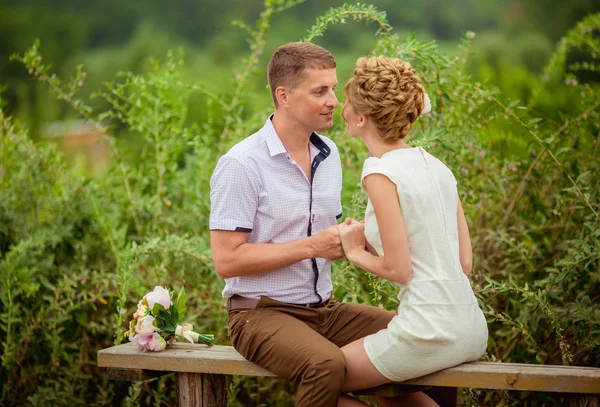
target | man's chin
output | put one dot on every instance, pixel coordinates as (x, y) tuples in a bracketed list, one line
[(322, 126)]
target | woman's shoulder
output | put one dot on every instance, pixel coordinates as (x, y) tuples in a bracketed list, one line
[(377, 165), (440, 166)]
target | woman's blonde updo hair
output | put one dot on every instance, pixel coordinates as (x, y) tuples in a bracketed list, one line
[(389, 92)]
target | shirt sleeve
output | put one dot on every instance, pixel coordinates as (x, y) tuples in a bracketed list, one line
[(373, 165), (234, 194)]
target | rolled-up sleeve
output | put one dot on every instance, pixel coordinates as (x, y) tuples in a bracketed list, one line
[(234, 194)]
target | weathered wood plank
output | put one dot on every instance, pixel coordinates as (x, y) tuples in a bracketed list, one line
[(195, 358), (390, 390), (181, 357), (133, 375), (515, 376)]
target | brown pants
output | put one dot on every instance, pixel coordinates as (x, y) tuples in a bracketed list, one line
[(303, 344)]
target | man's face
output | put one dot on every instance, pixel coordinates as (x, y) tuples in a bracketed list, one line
[(313, 101)]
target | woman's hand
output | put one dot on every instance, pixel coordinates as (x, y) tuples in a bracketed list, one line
[(370, 249), (353, 238)]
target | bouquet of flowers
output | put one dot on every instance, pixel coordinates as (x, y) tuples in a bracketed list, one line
[(155, 324)]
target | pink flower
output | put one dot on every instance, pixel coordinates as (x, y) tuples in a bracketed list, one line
[(150, 342), (160, 295)]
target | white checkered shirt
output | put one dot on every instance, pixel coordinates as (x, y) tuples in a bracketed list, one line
[(257, 187)]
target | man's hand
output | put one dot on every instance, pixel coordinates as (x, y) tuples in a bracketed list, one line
[(327, 244)]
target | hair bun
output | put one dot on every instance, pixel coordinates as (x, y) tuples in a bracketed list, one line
[(389, 91)]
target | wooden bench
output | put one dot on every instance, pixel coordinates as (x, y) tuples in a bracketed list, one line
[(202, 375)]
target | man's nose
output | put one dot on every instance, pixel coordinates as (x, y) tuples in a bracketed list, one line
[(333, 101)]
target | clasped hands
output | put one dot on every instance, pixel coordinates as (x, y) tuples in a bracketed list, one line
[(352, 236)]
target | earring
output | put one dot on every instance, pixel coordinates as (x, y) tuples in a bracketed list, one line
[(358, 124)]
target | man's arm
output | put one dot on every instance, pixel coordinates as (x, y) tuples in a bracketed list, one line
[(233, 256)]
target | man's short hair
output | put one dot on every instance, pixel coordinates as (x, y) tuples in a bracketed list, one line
[(287, 65)]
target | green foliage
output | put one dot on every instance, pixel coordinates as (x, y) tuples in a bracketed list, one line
[(76, 252), (582, 36), (357, 12)]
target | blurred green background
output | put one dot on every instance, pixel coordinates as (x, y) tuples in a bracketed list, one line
[(514, 40)]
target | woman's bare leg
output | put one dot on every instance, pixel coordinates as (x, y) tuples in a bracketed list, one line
[(361, 374), (347, 401), (419, 399)]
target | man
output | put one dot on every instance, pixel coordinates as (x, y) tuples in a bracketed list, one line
[(275, 198)]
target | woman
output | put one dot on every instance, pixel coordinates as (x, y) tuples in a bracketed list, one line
[(417, 231)]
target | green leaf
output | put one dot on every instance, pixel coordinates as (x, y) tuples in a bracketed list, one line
[(157, 309), (167, 321), (181, 299), (174, 315)]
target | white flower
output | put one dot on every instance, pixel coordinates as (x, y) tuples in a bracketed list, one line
[(141, 311), (427, 102), (185, 331), (145, 325), (160, 295)]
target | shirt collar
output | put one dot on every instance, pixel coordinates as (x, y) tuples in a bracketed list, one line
[(320, 144), (273, 141), (275, 145)]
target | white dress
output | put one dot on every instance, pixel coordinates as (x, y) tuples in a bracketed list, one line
[(439, 322)]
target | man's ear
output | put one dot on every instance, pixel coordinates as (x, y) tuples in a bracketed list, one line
[(281, 94)]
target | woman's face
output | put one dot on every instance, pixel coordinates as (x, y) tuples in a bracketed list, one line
[(351, 118)]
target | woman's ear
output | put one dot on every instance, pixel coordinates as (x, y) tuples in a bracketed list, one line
[(363, 120)]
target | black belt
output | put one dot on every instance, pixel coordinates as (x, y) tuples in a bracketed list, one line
[(239, 302)]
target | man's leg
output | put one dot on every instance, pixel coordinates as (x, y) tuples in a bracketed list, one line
[(347, 322), (287, 345)]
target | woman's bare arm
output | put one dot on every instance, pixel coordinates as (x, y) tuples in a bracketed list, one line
[(395, 265), (464, 242)]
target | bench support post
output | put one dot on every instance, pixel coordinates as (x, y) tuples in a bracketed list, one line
[(202, 390), (583, 400)]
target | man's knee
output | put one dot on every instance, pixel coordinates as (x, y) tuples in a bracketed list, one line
[(330, 370)]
